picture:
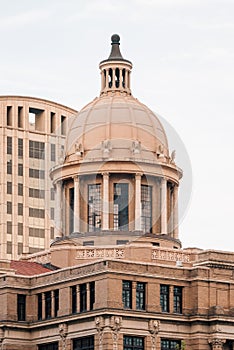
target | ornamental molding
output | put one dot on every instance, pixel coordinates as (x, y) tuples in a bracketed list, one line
[(216, 343), (63, 330), (153, 326), (169, 255), (115, 325), (100, 253), (100, 324)]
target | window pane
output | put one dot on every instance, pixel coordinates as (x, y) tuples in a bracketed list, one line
[(127, 294), (164, 298), (146, 208), (121, 206), (94, 207), (135, 343)]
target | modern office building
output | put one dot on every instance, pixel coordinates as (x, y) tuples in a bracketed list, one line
[(32, 136), (116, 276)]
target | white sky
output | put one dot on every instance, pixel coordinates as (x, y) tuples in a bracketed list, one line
[(183, 57)]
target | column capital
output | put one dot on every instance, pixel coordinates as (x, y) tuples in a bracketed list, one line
[(105, 174), (76, 178), (138, 175), (216, 343)]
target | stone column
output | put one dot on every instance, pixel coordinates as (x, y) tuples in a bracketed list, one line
[(52, 304), (105, 202), (107, 78), (58, 209), (76, 204), (138, 201), (121, 78), (78, 298), (163, 206), (113, 78), (175, 212), (43, 306), (88, 296), (216, 343)]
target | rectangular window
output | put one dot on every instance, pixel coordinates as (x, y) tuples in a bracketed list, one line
[(48, 304), (9, 227), (9, 207), (36, 193), (36, 119), (164, 297), (74, 299), (52, 122), (83, 298), (52, 152), (9, 115), (9, 145), (20, 248), (20, 170), (140, 296), (127, 294), (71, 209), (146, 208), (9, 247), (20, 190), (84, 343), (9, 167), (52, 194), (21, 307), (63, 125), (39, 306), (121, 206), (167, 344), (20, 209), (177, 300), (56, 302), (20, 228), (36, 150), (37, 213), (9, 187), (94, 207), (50, 346), (20, 148), (92, 294), (20, 117), (52, 213), (52, 232), (133, 343), (36, 173), (36, 232)]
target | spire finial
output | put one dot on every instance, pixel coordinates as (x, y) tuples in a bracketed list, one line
[(115, 51)]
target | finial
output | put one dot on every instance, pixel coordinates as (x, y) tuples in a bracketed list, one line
[(115, 51), (115, 39)]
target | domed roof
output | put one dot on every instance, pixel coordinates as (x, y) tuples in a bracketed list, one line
[(117, 126)]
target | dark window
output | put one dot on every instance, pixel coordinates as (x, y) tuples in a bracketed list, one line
[(56, 302), (9, 247), (9, 207), (52, 122), (9, 145), (85, 343), (20, 117), (9, 167), (52, 232), (20, 148), (39, 306), (127, 294), (92, 294), (9, 227), (71, 209), (52, 213), (50, 346), (48, 303), (20, 190), (36, 150), (20, 248), (146, 208), (52, 152), (21, 307), (178, 300), (83, 297), (74, 299), (9, 187), (36, 232), (167, 344), (20, 228), (94, 207), (20, 209), (20, 170), (88, 243), (52, 194), (36, 193), (63, 125), (36, 213), (9, 115), (36, 173), (140, 296), (133, 343), (164, 298), (121, 206)]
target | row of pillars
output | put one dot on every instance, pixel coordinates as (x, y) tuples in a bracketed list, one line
[(105, 205), (115, 79)]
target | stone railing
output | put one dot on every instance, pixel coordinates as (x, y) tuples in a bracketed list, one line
[(170, 255), (40, 257), (100, 253)]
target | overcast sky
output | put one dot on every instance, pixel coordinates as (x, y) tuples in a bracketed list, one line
[(183, 69)]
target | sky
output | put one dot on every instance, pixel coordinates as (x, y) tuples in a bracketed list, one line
[(183, 69)]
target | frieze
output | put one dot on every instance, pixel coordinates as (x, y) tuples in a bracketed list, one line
[(168, 255), (96, 253)]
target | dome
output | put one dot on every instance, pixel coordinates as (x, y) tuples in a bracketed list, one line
[(118, 126)]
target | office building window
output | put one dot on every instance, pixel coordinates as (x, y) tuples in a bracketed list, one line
[(20, 170), (36, 150), (9, 166), (52, 232), (9, 145), (164, 297), (9, 227), (20, 248), (20, 148), (140, 296), (133, 343), (127, 294), (48, 304), (20, 228), (178, 299), (92, 294), (52, 152), (50, 346), (36, 193), (84, 343), (36, 232), (94, 207), (121, 206), (146, 208), (9, 187), (9, 115), (9, 247), (168, 344), (39, 306), (52, 213), (20, 190), (20, 209), (83, 297), (20, 117), (37, 213), (74, 299), (21, 307), (56, 302), (36, 173), (9, 207), (52, 194)]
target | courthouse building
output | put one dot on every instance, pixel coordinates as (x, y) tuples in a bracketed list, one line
[(115, 276)]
